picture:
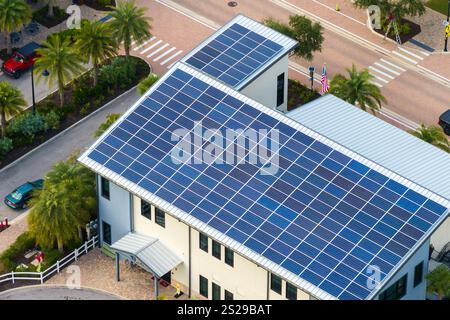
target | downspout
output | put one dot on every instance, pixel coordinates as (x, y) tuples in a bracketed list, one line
[(131, 212), (268, 284), (190, 261), (99, 225)]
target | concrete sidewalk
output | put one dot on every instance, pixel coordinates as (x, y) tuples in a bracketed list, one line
[(9, 236)]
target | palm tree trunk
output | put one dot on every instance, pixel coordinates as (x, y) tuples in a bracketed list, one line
[(127, 50), (60, 245), (61, 93), (95, 73), (50, 12), (8, 43), (80, 233), (3, 124)]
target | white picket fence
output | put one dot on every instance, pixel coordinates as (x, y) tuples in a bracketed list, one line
[(56, 268)]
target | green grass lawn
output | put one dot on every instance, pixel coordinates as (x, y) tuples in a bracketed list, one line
[(438, 5)]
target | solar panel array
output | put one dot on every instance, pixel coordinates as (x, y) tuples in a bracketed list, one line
[(323, 216), (234, 54)]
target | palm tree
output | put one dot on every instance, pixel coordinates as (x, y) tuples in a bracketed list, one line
[(13, 14), (434, 135), (51, 5), (129, 23), (357, 89), (439, 281), (60, 60), (95, 43), (145, 84), (63, 206), (110, 119), (11, 103)]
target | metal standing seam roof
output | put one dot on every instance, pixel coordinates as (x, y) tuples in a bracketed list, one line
[(286, 43), (378, 141), (150, 251), (221, 237)]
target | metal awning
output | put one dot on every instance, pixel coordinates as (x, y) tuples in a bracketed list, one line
[(151, 252)]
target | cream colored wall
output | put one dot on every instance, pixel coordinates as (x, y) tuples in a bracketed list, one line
[(245, 279), (175, 236)]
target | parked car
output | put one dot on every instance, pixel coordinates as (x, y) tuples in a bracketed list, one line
[(444, 121), (19, 198), (21, 60)]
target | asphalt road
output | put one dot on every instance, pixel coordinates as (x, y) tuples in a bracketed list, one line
[(55, 293), (40, 161)]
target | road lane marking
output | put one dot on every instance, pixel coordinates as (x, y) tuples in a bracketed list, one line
[(144, 44), (164, 54), (157, 50), (381, 72), (410, 53), (152, 46), (404, 57), (171, 57), (386, 68), (393, 65)]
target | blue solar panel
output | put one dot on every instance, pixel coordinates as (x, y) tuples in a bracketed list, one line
[(323, 216), (234, 54)]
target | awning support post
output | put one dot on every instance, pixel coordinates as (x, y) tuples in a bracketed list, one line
[(155, 286), (117, 267)]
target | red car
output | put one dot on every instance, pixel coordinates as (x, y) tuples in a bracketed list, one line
[(21, 60)]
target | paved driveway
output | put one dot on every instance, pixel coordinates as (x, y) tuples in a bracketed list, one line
[(39, 162), (49, 292)]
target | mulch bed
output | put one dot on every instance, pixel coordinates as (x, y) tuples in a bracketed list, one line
[(41, 17), (95, 4), (298, 94), (415, 30), (71, 118)]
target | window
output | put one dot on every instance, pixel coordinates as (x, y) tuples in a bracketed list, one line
[(215, 291), (291, 291), (275, 283), (229, 257), (146, 210), (160, 217), (228, 295), (203, 242), (104, 188), (396, 291), (204, 286), (418, 274), (216, 249), (106, 227), (280, 89)]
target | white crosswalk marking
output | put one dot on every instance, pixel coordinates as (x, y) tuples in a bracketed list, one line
[(150, 47), (404, 57), (392, 65), (144, 43), (164, 54), (171, 57), (381, 72), (157, 50), (386, 68), (410, 53)]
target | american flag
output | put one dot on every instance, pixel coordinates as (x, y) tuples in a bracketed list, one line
[(324, 81)]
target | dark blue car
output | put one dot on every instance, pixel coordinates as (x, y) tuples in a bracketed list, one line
[(18, 198)]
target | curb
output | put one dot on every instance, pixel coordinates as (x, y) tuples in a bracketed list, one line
[(369, 25), (67, 129), (59, 286)]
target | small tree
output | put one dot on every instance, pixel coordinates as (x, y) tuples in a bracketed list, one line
[(11, 103), (63, 206), (110, 119), (434, 135), (309, 34), (146, 84), (439, 281), (357, 89), (13, 15)]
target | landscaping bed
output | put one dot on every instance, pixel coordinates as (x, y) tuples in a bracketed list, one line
[(26, 132), (298, 94), (407, 29), (101, 5), (41, 17)]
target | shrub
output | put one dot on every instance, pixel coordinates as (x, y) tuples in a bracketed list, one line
[(52, 119), (118, 72), (50, 258), (46, 106), (85, 109), (24, 128), (146, 84), (6, 145), (23, 243), (104, 2)]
